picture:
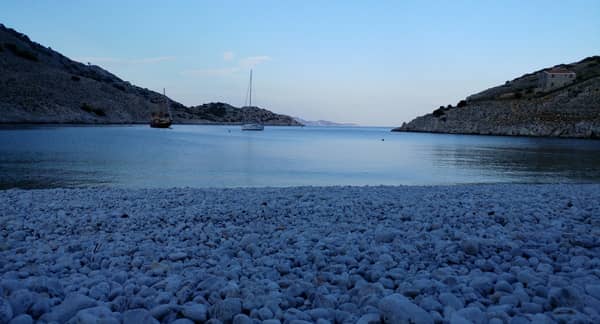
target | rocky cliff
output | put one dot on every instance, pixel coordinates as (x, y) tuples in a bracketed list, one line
[(40, 85), (519, 108)]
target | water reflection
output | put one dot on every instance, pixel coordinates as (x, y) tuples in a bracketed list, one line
[(527, 159), (220, 156)]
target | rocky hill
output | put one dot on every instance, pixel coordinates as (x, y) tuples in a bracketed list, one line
[(519, 107), (222, 113), (40, 85)]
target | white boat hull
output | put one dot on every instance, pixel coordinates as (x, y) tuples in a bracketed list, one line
[(252, 127)]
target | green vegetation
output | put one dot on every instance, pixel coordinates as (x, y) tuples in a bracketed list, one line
[(462, 103), (217, 109), (119, 86), (23, 53), (90, 109), (439, 112), (75, 78)]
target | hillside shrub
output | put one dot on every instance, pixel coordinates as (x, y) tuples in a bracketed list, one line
[(21, 52), (119, 86), (75, 78), (518, 95), (439, 112), (90, 109), (10, 46), (87, 108), (461, 104), (219, 111)]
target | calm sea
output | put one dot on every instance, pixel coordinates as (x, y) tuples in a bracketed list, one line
[(224, 156)]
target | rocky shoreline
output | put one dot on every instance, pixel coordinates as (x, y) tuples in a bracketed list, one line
[(516, 109), (458, 254)]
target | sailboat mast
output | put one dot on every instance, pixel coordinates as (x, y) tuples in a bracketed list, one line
[(167, 102), (250, 105)]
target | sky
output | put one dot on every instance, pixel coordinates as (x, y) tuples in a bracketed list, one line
[(366, 62)]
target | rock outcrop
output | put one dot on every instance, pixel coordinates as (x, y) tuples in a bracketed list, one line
[(517, 108), (40, 85)]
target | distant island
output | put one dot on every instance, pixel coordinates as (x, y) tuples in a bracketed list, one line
[(561, 101), (40, 85), (321, 122)]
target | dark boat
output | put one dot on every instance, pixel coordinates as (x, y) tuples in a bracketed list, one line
[(159, 120), (162, 119)]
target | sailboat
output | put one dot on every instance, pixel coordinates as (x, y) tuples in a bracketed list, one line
[(255, 126), (162, 119)]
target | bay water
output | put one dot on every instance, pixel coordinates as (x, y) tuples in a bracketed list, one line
[(224, 156)]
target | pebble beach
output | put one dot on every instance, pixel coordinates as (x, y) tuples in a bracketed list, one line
[(435, 254)]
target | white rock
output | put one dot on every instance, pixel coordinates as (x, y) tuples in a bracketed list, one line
[(68, 308), (482, 284), (100, 291), (541, 319), (531, 308), (161, 311), (371, 318), (99, 314), (563, 297), (177, 256), (241, 319), (323, 313), (226, 309), (473, 314), (196, 312), (398, 309), (182, 321), (271, 321), (384, 236), (456, 318), (504, 286), (6, 312), (40, 306), (21, 319), (593, 290), (249, 239), (449, 299), (470, 246), (139, 315), (20, 301)]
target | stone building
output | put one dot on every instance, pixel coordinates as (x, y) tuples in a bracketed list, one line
[(555, 78)]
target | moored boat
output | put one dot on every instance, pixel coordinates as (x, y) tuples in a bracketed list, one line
[(251, 126), (162, 119)]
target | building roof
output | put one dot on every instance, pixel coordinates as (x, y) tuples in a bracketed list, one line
[(559, 70)]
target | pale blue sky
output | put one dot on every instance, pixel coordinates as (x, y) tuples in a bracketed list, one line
[(368, 62)]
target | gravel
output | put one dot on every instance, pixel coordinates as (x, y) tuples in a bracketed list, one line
[(302, 255)]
